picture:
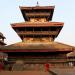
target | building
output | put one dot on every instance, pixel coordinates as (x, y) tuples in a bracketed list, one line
[(2, 39), (38, 48), (2, 44)]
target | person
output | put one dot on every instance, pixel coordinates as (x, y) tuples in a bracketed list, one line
[(46, 67), (1, 66)]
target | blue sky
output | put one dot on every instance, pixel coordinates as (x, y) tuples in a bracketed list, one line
[(64, 12)]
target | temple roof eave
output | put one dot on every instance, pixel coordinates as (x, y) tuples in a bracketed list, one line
[(22, 47), (26, 50), (37, 24), (36, 7)]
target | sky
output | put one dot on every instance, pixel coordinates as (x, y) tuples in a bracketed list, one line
[(64, 12)]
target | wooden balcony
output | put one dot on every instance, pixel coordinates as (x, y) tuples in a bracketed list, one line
[(38, 32)]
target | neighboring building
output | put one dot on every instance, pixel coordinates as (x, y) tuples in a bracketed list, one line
[(2, 55), (71, 58), (2, 39), (37, 49)]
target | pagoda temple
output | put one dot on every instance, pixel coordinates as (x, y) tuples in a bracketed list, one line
[(38, 48)]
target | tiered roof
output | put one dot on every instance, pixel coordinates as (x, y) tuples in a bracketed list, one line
[(24, 47), (37, 12), (48, 10)]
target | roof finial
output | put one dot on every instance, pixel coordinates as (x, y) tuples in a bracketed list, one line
[(37, 3)]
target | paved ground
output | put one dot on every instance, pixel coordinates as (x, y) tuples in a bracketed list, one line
[(68, 71), (54, 71), (24, 73)]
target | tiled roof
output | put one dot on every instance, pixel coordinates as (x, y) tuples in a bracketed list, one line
[(37, 24), (24, 47)]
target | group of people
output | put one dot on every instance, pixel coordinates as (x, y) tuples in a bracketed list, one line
[(46, 66)]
